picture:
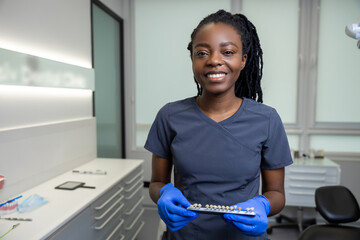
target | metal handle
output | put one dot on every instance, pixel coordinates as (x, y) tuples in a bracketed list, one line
[(135, 206), (108, 220), (130, 189), (135, 220), (302, 186), (301, 193), (133, 194), (139, 229), (308, 179), (308, 171), (133, 179), (109, 200), (109, 209), (115, 229)]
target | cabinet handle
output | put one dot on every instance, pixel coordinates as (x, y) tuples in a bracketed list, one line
[(108, 220), (109, 200), (130, 189), (301, 193), (308, 179), (302, 186), (135, 220), (308, 171), (135, 177), (133, 194), (139, 229), (135, 206), (109, 209), (115, 229)]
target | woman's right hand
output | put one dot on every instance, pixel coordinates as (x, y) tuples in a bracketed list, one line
[(172, 208)]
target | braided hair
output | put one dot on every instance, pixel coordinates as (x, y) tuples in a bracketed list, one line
[(248, 83)]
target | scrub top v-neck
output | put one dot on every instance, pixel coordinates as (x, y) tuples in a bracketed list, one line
[(223, 122), (218, 162)]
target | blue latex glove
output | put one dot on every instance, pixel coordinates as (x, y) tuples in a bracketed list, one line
[(172, 208), (248, 225)]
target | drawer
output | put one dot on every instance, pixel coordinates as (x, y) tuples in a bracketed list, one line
[(134, 194), (107, 199), (117, 231), (77, 228), (105, 227), (138, 204), (296, 199), (133, 176), (102, 208), (133, 198), (133, 224), (116, 208)]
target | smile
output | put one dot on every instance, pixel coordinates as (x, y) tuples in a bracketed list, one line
[(215, 75)]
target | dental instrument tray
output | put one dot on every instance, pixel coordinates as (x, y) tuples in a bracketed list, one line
[(218, 209), (71, 185)]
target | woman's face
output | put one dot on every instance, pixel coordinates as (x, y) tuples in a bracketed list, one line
[(217, 58)]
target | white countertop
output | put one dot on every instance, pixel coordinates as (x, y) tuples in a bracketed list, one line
[(314, 162), (63, 205)]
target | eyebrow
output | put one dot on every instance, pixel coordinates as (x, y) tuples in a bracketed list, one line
[(223, 44)]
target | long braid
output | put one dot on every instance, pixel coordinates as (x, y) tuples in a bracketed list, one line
[(249, 82)]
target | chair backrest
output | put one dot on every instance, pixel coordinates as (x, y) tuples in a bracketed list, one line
[(337, 204)]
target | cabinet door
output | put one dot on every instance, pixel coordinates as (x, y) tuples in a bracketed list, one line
[(77, 228)]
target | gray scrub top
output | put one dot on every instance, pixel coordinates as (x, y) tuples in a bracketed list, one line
[(218, 163)]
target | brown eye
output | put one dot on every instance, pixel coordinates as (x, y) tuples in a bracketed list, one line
[(228, 53), (200, 54)]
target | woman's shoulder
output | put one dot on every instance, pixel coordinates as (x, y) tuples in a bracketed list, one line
[(258, 108), (178, 106)]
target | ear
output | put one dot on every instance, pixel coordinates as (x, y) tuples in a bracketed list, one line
[(243, 61)]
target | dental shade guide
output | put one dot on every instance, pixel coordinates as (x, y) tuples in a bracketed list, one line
[(218, 209)]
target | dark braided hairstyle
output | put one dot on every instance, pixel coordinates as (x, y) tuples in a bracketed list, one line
[(248, 83)]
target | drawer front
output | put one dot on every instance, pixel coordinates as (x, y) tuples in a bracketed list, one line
[(78, 228), (117, 232), (133, 177), (116, 214), (302, 181), (112, 215), (103, 203), (102, 209), (133, 224)]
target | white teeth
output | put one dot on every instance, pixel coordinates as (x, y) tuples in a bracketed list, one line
[(217, 75)]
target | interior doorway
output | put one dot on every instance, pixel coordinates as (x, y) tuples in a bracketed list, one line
[(107, 52)]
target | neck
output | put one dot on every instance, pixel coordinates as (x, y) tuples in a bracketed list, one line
[(218, 104)]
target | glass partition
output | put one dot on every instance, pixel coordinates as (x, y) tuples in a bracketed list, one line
[(23, 69), (277, 24), (338, 80)]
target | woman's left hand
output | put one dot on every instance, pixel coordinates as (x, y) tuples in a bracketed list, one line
[(251, 225)]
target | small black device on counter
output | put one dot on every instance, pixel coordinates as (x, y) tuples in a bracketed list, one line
[(71, 185)]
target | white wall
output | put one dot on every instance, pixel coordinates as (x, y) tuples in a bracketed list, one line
[(59, 30), (39, 141)]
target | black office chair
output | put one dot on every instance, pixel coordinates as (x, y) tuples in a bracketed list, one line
[(336, 204)]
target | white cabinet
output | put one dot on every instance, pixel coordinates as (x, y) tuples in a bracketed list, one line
[(116, 214), (304, 176), (111, 210)]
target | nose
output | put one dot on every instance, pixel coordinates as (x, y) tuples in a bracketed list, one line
[(215, 59)]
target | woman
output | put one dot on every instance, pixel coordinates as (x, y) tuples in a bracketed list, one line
[(220, 141)]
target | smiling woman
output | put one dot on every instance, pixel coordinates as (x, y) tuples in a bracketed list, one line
[(220, 141)]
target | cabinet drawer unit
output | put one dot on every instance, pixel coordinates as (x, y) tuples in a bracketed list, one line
[(305, 176)]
